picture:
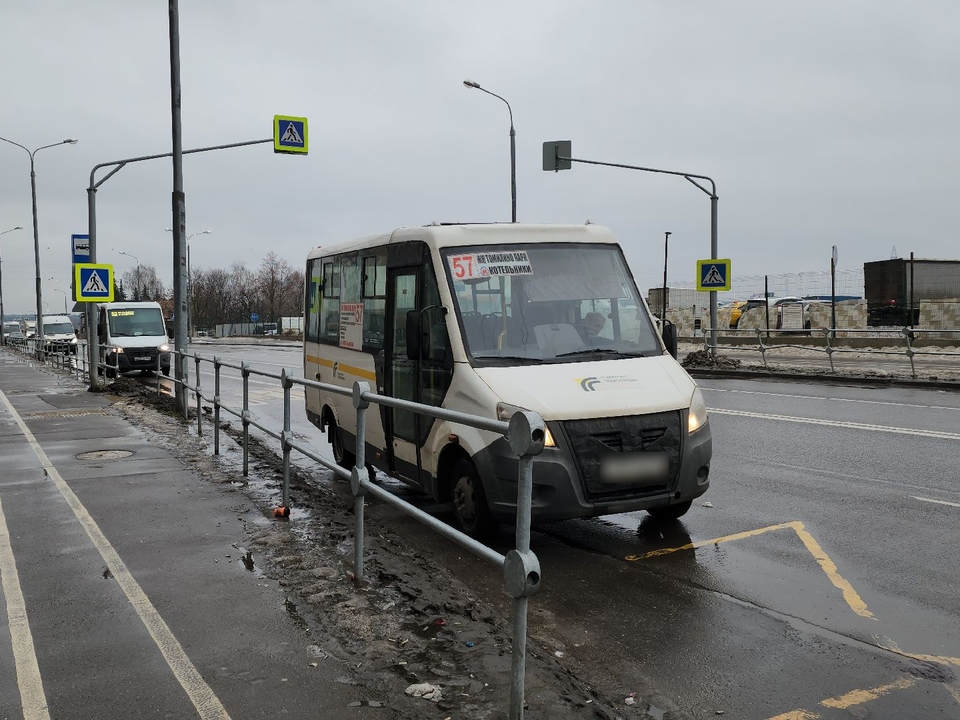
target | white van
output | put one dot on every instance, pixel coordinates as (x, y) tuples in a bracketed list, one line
[(134, 335), (59, 334), (489, 319)]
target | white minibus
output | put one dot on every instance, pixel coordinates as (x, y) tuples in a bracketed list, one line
[(489, 319)]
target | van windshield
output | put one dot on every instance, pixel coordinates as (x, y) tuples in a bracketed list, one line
[(57, 328), (133, 322), (548, 302)]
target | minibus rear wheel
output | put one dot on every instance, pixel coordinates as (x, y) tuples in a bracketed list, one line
[(670, 512), (469, 501)]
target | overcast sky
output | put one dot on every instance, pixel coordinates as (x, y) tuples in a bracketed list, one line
[(822, 122)]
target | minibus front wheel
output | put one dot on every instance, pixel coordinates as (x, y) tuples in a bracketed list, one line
[(469, 500)]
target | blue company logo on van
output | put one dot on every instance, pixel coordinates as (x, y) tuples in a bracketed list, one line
[(589, 384)]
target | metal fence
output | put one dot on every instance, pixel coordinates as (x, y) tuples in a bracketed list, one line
[(525, 433), (908, 336)]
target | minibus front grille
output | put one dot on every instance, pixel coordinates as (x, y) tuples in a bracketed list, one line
[(590, 440)]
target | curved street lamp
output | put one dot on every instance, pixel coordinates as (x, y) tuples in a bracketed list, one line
[(513, 148), (190, 276), (131, 255), (36, 232), (3, 337)]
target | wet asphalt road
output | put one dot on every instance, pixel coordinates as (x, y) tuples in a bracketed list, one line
[(832, 588)]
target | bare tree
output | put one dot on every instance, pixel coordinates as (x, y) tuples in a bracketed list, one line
[(143, 283), (273, 280)]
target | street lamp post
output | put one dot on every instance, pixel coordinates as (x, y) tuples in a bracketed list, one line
[(36, 231), (3, 337), (663, 297), (139, 289), (513, 148), (190, 280), (64, 293)]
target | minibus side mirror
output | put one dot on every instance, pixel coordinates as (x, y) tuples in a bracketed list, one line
[(414, 333), (669, 335)]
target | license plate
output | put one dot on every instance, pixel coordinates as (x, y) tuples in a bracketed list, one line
[(142, 359), (647, 468)]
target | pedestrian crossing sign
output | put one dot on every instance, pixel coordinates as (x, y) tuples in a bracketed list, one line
[(289, 134), (93, 283), (713, 274)]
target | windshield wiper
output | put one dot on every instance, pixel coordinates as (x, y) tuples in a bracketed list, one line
[(590, 351), (120, 334)]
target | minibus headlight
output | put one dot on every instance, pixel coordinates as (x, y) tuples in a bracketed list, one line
[(698, 412), (118, 350), (164, 348), (505, 411)]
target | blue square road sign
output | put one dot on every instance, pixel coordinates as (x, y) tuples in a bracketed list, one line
[(713, 274)]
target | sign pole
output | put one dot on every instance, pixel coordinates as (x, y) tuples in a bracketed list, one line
[(833, 291), (90, 309)]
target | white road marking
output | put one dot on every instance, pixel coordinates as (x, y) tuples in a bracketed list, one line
[(200, 694), (839, 423), (832, 399), (938, 502), (33, 700)]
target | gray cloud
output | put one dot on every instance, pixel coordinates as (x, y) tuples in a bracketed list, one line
[(823, 123)]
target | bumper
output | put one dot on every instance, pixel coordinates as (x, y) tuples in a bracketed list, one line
[(558, 491), (129, 362)]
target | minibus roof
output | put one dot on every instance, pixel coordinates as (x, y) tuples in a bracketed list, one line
[(442, 236)]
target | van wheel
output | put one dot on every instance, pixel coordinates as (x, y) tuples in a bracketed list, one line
[(344, 457), (670, 512), (470, 502)]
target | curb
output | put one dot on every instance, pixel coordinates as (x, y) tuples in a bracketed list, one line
[(706, 373)]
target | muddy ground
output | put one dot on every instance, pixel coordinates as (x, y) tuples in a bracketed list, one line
[(411, 622)]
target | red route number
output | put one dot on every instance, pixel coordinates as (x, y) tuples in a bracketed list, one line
[(464, 266)]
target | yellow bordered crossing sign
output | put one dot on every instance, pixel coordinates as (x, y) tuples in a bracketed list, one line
[(713, 275), (93, 283), (290, 135)]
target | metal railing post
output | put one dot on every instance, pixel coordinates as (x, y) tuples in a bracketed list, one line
[(216, 404), (908, 337), (358, 475), (285, 437), (159, 370), (196, 392), (763, 349), (521, 570), (245, 416), (829, 348)]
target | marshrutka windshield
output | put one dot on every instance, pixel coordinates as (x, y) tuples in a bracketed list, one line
[(551, 302), (134, 322)]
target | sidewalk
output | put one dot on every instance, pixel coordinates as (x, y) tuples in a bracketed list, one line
[(123, 593)]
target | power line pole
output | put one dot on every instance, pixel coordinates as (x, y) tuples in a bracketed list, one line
[(179, 212)]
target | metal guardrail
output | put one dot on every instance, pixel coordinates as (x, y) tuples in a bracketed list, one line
[(525, 432), (908, 335)]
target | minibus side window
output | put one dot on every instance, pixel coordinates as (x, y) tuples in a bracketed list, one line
[(330, 302), (312, 300), (435, 370), (374, 292)]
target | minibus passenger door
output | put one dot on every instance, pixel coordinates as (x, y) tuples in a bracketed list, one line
[(403, 450)]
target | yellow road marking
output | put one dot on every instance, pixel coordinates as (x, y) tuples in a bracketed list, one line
[(954, 692), (840, 423), (32, 697), (859, 697), (348, 369), (829, 568), (200, 694), (796, 715)]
